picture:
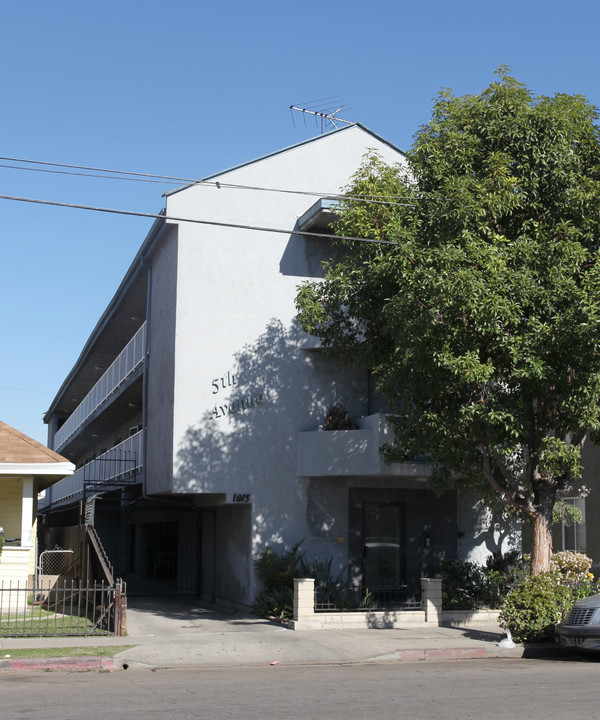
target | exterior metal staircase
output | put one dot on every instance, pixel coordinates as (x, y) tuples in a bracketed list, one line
[(94, 539)]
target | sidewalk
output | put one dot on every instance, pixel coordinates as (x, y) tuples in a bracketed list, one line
[(177, 632)]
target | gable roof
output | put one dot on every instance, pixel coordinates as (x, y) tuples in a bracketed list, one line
[(308, 141), (139, 266), (20, 454)]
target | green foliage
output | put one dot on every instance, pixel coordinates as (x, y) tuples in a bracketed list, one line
[(1, 543), (467, 586), (478, 306), (277, 571), (537, 604), (337, 418), (462, 584), (276, 603), (571, 567), (566, 513), (531, 610)]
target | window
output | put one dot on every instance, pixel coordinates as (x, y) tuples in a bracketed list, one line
[(571, 537)]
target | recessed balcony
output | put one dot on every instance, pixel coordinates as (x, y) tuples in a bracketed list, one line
[(334, 453)]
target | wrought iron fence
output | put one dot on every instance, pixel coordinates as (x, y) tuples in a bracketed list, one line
[(61, 609), (583, 589), (349, 598)]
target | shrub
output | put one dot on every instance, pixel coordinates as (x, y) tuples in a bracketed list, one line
[(462, 584), (276, 603), (277, 571), (571, 567), (531, 610), (466, 585)]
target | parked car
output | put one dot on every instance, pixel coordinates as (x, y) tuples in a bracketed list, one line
[(581, 628)]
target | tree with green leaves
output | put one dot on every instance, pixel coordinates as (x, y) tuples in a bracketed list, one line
[(477, 302)]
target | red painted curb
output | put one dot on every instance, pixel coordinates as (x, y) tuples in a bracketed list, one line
[(60, 663), (437, 653), (455, 653)]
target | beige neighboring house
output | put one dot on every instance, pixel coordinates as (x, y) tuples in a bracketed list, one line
[(26, 468)]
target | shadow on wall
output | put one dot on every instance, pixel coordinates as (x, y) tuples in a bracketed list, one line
[(494, 531), (245, 445)]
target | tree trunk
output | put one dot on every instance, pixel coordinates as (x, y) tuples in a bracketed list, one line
[(541, 545)]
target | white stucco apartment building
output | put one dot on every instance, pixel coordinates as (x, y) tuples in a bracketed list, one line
[(195, 409)]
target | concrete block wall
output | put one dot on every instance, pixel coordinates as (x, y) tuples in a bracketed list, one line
[(431, 613)]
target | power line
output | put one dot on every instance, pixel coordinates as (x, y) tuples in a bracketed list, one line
[(97, 169), (162, 216), (40, 392), (149, 177), (84, 174)]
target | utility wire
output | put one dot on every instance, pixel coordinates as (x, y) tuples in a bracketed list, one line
[(96, 169), (149, 177), (162, 216), (83, 174), (16, 389)]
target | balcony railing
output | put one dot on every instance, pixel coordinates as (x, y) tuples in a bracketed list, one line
[(115, 468), (126, 363)]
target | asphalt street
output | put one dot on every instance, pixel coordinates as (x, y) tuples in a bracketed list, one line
[(454, 690)]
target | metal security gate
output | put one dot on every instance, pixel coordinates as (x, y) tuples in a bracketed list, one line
[(157, 560)]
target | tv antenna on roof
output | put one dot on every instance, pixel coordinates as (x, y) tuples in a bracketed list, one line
[(326, 114)]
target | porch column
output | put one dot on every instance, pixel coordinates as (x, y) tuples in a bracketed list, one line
[(26, 511)]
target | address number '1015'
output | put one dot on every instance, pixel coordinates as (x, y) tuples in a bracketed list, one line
[(241, 497)]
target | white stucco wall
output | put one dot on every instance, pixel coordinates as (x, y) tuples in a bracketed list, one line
[(233, 379), (236, 340), (161, 329), (237, 288)]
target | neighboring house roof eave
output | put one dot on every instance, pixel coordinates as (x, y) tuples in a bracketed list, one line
[(53, 469), (19, 449)]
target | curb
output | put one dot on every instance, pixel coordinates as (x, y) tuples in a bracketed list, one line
[(110, 664), (77, 664), (413, 654)]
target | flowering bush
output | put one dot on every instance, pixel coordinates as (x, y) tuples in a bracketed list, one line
[(536, 605), (531, 610), (571, 567)]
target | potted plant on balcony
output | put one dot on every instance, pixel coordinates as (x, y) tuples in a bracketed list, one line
[(337, 418)]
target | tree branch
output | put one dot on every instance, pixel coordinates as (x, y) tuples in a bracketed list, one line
[(516, 494)]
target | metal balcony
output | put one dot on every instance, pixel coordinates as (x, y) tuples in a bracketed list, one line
[(126, 363), (117, 468)]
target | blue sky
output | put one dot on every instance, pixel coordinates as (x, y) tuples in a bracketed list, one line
[(190, 88)]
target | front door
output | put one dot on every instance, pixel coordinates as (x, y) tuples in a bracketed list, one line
[(383, 547)]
